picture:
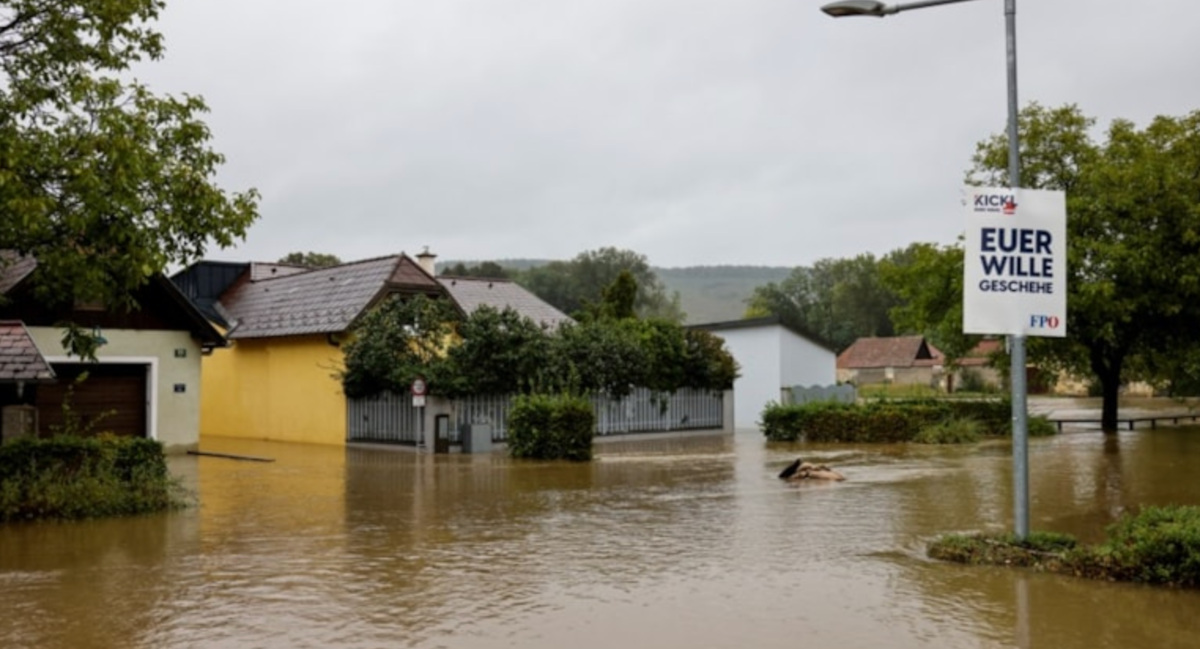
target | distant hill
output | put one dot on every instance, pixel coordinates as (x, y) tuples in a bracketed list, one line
[(717, 293), (706, 293)]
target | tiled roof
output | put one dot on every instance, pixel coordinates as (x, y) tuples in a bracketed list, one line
[(13, 269), (266, 270), (980, 355), (324, 300), (896, 351), (20, 359), (471, 293)]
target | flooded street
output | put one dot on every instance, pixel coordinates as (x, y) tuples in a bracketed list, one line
[(677, 542)]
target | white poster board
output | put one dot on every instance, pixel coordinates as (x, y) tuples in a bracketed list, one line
[(1015, 269)]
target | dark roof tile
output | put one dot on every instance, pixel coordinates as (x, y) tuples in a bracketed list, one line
[(323, 300), (20, 359), (896, 351), (471, 293)]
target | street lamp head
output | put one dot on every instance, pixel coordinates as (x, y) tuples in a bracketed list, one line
[(844, 8)]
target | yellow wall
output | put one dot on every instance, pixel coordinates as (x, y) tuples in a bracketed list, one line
[(274, 388)]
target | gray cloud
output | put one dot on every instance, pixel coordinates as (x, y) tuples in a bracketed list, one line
[(757, 131)]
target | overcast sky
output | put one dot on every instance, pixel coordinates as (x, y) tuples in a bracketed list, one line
[(692, 131)]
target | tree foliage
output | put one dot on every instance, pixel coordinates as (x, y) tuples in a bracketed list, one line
[(929, 284), (837, 300), (311, 259), (101, 180), (500, 352), (1133, 239), (397, 341), (571, 285), (486, 269)]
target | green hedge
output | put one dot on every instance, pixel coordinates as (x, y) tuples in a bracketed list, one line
[(81, 477), (887, 421), (551, 427)]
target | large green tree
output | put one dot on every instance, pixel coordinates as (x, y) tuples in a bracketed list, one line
[(839, 300), (103, 181), (1133, 238), (571, 285)]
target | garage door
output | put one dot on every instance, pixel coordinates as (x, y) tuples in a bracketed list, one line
[(116, 389)]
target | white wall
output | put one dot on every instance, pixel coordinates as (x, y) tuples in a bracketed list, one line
[(804, 362), (756, 349)]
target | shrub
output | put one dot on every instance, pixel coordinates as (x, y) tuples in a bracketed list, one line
[(1040, 426), (877, 422), (953, 430), (72, 477), (548, 427), (1159, 545)]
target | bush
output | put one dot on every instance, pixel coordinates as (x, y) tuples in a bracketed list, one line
[(1160, 545), (72, 477), (954, 430), (547, 427), (876, 422), (1040, 426)]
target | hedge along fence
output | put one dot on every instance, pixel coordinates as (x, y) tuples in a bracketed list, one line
[(551, 427), (75, 477), (882, 421)]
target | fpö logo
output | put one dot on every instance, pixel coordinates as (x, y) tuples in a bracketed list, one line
[(996, 203), (1038, 321)]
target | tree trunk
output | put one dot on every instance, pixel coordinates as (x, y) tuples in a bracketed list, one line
[(1107, 366), (1110, 386)]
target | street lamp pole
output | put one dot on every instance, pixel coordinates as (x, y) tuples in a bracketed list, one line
[(1020, 427)]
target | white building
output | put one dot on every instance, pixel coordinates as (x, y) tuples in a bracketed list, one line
[(772, 356)]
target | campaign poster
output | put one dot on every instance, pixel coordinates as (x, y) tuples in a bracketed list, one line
[(1015, 268)]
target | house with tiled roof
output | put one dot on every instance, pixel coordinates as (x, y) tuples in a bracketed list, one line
[(279, 380), (145, 381), (907, 360)]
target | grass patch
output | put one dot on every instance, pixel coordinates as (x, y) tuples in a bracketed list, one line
[(1159, 545), (953, 430)]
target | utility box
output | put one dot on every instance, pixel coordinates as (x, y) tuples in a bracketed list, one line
[(18, 421), (477, 438)]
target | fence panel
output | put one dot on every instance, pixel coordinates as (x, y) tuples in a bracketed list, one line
[(486, 409), (392, 418), (385, 417), (801, 395)]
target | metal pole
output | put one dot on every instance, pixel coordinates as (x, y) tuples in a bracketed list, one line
[(1020, 431)]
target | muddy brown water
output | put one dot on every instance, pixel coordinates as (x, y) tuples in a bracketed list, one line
[(678, 542)]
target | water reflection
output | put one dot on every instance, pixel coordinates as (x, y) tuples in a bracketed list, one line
[(671, 542)]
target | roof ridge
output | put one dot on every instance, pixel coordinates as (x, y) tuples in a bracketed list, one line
[(311, 271)]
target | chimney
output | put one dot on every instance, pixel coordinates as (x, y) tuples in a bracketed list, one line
[(426, 260)]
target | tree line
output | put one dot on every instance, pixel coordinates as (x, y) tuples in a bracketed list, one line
[(1133, 259)]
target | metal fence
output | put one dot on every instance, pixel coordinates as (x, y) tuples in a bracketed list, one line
[(385, 417), (801, 395), (392, 417)]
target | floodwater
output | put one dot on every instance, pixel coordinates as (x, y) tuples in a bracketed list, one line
[(686, 542)]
